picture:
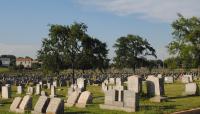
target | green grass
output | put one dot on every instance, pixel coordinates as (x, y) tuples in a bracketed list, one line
[(2, 69), (173, 92)]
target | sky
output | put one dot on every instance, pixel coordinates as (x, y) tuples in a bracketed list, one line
[(24, 23)]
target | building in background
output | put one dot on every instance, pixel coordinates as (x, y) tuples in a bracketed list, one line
[(7, 60), (26, 62)]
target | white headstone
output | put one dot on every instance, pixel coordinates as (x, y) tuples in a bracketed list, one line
[(56, 106), (84, 99)]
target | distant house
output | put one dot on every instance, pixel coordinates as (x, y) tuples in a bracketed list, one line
[(26, 62), (5, 61)]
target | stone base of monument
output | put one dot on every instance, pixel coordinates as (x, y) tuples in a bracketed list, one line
[(111, 107), (158, 99)]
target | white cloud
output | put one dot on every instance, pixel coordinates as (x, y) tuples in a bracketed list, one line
[(19, 49), (162, 10)]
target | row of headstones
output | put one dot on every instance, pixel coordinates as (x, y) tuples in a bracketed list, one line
[(43, 105), (6, 91)]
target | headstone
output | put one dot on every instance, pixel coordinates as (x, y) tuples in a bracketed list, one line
[(53, 91), (30, 91), (135, 83), (131, 101), (15, 104), (155, 86), (38, 89), (111, 80), (81, 83), (55, 83), (56, 106), (104, 87), (169, 79), (6, 93), (187, 79), (191, 89), (109, 97), (19, 90), (48, 85), (84, 99), (72, 99), (26, 104), (41, 105), (118, 81)]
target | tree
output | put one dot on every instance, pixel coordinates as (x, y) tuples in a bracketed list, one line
[(131, 50), (186, 43), (71, 47)]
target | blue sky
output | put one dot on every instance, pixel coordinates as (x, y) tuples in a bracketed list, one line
[(23, 23)]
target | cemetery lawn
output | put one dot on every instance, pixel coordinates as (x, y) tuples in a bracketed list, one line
[(2, 69), (174, 92)]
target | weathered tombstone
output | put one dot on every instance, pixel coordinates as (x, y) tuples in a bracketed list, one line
[(41, 105), (191, 89), (26, 104), (187, 79), (15, 104), (55, 83), (135, 83), (48, 85), (81, 82), (56, 106), (53, 91), (84, 99), (111, 80), (6, 93), (169, 79), (131, 101), (109, 97), (104, 87), (30, 91), (72, 99), (118, 81), (19, 90), (155, 86), (38, 89)]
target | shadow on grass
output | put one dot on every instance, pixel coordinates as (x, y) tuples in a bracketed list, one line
[(153, 107), (179, 97), (79, 112)]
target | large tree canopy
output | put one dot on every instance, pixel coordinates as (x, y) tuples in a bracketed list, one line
[(71, 47), (186, 43), (131, 51)]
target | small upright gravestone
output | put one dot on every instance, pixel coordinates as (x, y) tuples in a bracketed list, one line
[(81, 83), (30, 91), (38, 89), (6, 92), (191, 89), (19, 90), (169, 79), (56, 106), (53, 91), (135, 83), (111, 80), (187, 79)]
